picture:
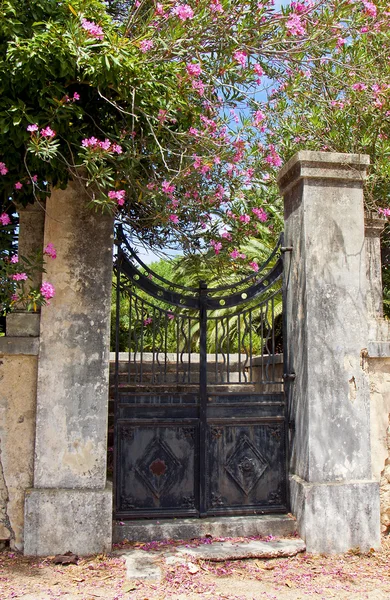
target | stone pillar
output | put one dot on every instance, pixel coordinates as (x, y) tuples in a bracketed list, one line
[(374, 226), (70, 505), (333, 494), (30, 240)]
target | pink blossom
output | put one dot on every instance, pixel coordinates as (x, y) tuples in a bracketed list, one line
[(76, 96), (235, 253), (118, 195), (50, 251), (370, 8), (14, 298), (174, 219), (91, 142), (216, 245), (117, 149), (193, 131), (148, 321), (34, 178), (216, 6), (198, 86), (18, 185), (273, 157), (226, 235), (160, 9), (19, 277), (47, 132), (359, 87), (4, 219), (14, 259), (193, 69), (240, 57), (32, 128), (258, 70), (384, 211), (105, 145), (341, 42), (170, 316), (92, 29), (260, 214), (146, 45), (47, 290), (167, 187), (183, 11), (295, 26), (259, 117), (244, 218), (254, 266), (3, 169)]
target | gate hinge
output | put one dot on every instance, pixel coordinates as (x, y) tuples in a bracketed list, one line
[(289, 376), (286, 248)]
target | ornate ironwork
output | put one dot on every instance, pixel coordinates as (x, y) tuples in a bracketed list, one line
[(199, 396)]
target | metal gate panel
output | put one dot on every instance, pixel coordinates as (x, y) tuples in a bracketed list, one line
[(200, 414)]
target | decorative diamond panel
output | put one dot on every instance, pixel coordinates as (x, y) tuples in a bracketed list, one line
[(158, 467), (246, 465)]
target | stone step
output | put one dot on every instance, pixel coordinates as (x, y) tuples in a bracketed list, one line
[(186, 529)]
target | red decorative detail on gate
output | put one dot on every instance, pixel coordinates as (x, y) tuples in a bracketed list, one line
[(158, 467)]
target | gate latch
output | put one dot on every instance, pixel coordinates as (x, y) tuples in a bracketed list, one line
[(289, 376)]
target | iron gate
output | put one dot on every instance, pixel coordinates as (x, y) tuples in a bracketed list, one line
[(200, 415)]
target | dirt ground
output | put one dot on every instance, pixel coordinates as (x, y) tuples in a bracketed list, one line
[(353, 576)]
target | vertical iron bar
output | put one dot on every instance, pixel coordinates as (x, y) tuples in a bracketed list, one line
[(286, 366), (153, 345), (141, 366), (189, 349), (129, 338), (116, 483), (239, 346), (216, 350), (250, 348), (273, 337), (228, 349), (177, 349), (202, 399), (165, 348), (262, 343)]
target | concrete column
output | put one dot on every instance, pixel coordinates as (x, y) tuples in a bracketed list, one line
[(70, 505), (374, 226), (333, 494), (30, 240)]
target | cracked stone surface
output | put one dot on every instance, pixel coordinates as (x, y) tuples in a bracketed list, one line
[(140, 565), (220, 551)]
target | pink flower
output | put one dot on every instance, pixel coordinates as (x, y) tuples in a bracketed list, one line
[(183, 11), (3, 169), (198, 86), (226, 235), (170, 316), (341, 42), (47, 132), (194, 69), (50, 251), (14, 298), (370, 8), (14, 259), (273, 157), (254, 266), (18, 185), (146, 45), (91, 142), (105, 145), (92, 29), (216, 245), (19, 277), (117, 149), (193, 131), (359, 87), (258, 70), (216, 6), (118, 195), (34, 178), (4, 219), (244, 218), (234, 254), (32, 128), (259, 117), (174, 219), (260, 214), (240, 57), (148, 321), (384, 211), (295, 26), (76, 96), (167, 188), (47, 290)]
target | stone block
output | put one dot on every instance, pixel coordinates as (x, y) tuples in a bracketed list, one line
[(336, 517), (23, 324), (59, 520), (28, 346)]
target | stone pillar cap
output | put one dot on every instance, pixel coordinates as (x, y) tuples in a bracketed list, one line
[(310, 164)]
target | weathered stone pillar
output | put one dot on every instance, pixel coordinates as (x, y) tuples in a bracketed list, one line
[(374, 226), (69, 507), (333, 494)]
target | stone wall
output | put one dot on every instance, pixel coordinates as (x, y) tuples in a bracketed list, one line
[(18, 377)]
